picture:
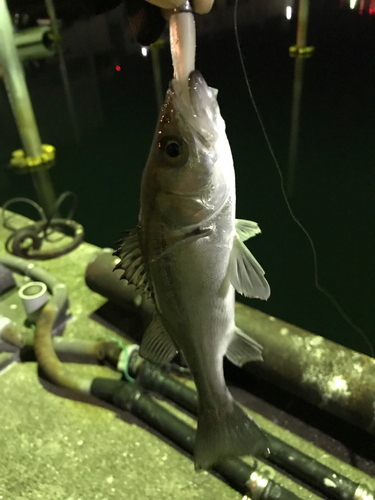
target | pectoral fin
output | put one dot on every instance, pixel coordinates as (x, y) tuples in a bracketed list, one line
[(157, 346), (246, 229), (243, 349), (132, 262), (246, 274)]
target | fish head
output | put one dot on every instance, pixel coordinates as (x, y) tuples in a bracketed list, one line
[(190, 166)]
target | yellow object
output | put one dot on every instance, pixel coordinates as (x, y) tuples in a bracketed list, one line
[(295, 51), (20, 160), (159, 44)]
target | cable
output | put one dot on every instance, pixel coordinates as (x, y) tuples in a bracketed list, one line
[(319, 287), (307, 469), (152, 378), (43, 230), (242, 476), (129, 396), (12, 215)]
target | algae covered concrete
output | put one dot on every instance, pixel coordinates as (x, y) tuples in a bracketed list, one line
[(57, 445), (53, 447)]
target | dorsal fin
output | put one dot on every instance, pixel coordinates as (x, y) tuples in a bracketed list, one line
[(131, 262)]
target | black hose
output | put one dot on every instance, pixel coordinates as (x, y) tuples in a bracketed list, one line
[(288, 458), (155, 379), (324, 479), (130, 397), (301, 466)]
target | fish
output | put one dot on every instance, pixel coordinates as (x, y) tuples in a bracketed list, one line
[(187, 254)]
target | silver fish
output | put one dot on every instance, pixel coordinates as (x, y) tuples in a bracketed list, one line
[(188, 254)]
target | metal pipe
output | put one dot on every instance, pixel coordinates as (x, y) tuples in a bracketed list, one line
[(15, 84), (100, 278), (34, 43), (155, 48), (32, 36), (328, 375), (303, 17), (19, 98), (63, 71), (45, 192), (244, 477), (333, 377), (47, 358), (294, 124)]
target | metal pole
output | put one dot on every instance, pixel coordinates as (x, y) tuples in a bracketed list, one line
[(94, 73), (45, 192), (294, 126), (155, 47), (328, 375), (63, 71), (15, 84), (19, 98), (303, 16)]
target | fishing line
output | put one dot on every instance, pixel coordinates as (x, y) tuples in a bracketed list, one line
[(319, 287)]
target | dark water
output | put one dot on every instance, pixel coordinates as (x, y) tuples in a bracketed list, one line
[(335, 186)]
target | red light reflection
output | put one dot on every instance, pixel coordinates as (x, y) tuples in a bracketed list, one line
[(118, 68)]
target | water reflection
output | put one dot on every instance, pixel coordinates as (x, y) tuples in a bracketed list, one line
[(334, 189)]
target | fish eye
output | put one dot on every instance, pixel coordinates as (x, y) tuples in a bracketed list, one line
[(174, 150)]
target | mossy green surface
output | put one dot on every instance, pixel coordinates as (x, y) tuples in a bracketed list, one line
[(57, 446)]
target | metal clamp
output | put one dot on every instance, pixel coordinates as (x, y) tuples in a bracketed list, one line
[(185, 7), (363, 493)]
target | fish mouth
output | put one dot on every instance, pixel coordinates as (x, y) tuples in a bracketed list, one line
[(202, 97), (198, 107)]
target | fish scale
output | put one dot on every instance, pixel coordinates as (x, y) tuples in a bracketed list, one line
[(193, 258)]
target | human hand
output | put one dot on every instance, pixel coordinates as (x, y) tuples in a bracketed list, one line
[(199, 6)]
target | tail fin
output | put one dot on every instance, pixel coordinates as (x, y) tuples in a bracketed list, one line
[(230, 432)]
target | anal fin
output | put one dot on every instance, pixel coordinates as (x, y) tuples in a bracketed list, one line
[(243, 349), (157, 346)]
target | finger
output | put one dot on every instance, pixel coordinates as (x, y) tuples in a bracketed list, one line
[(167, 4), (202, 6)]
